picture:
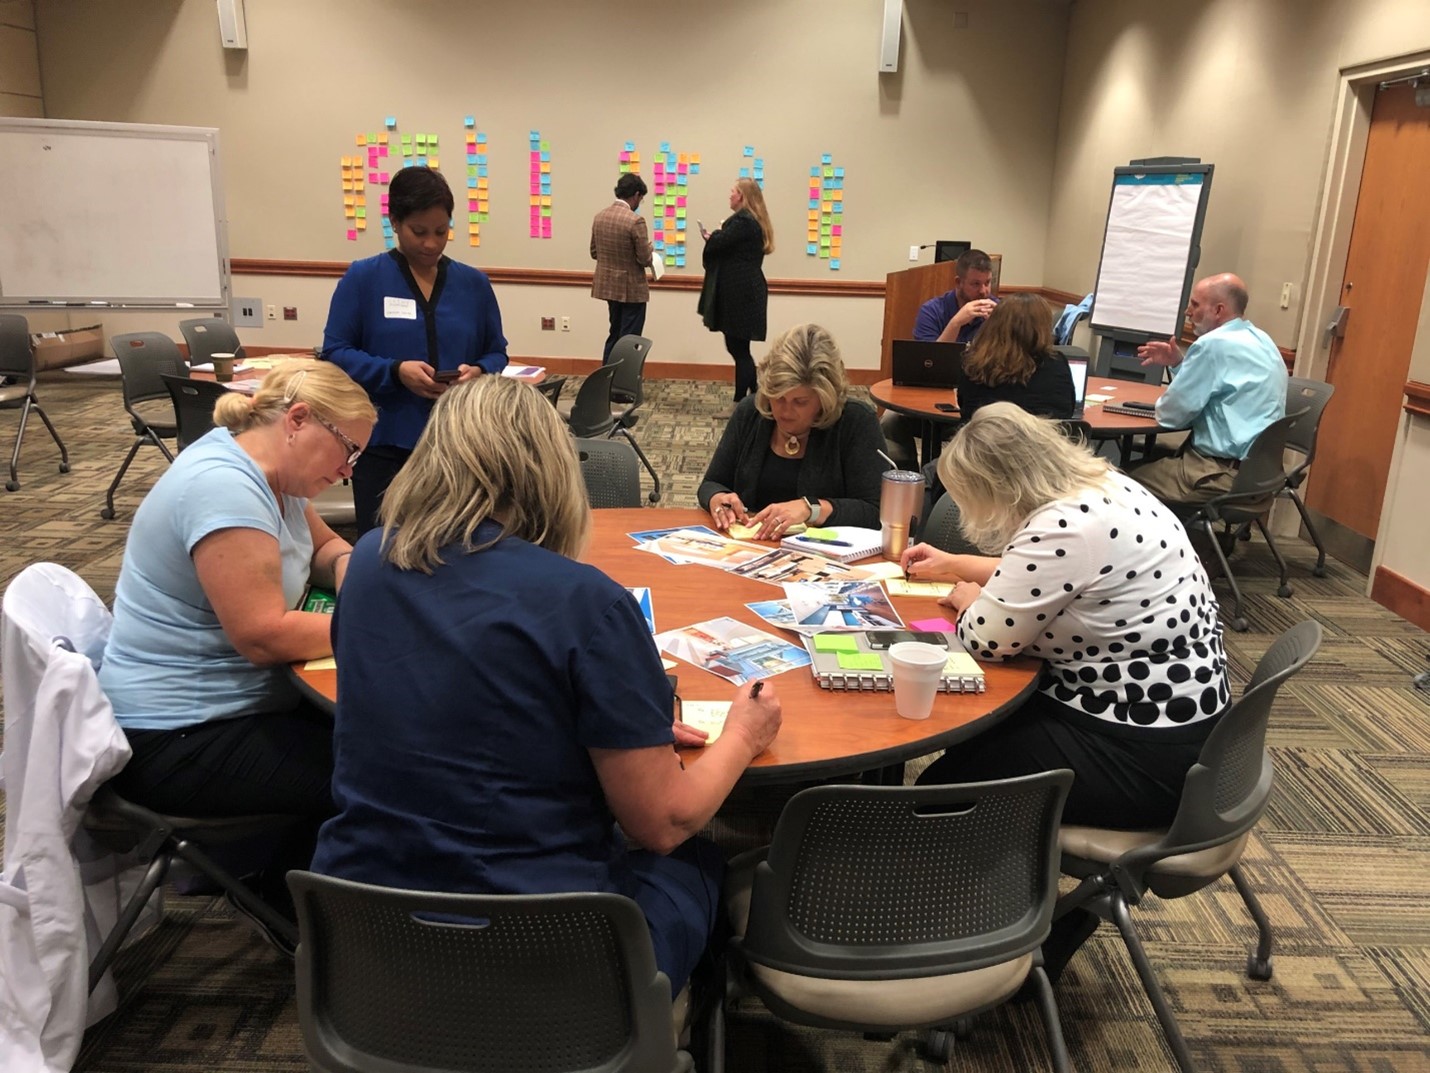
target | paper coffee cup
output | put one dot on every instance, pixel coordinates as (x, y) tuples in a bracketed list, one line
[(223, 367), (917, 668)]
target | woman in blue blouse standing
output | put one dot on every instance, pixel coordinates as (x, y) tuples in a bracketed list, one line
[(407, 323)]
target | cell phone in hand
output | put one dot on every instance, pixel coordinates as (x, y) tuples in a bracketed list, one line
[(445, 376)]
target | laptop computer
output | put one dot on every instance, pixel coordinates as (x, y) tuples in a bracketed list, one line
[(1078, 368), (920, 364)]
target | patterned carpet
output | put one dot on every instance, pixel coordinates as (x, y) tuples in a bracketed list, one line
[(1340, 859)]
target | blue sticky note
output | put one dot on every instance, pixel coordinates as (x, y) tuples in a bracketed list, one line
[(422, 161), (834, 264), (658, 244), (694, 169), (471, 182), (826, 158), (744, 173), (680, 249), (481, 158), (545, 157), (469, 121), (389, 243), (665, 147), (759, 173), (839, 184), (814, 203), (839, 173), (390, 122), (482, 170), (471, 158), (811, 249), (749, 150), (814, 172), (630, 147), (481, 138), (680, 262)]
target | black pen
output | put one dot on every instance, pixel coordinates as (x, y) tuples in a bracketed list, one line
[(825, 540), (755, 689)]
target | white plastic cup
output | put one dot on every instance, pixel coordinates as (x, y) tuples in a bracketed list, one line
[(223, 367), (917, 669)]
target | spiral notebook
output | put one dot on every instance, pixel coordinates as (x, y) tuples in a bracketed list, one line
[(842, 543), (849, 661)]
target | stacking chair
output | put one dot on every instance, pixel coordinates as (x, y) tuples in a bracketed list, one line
[(551, 388), (1313, 396), (194, 402), (207, 336), (1261, 477), (942, 529), (144, 357), (611, 473), (17, 362), (1223, 797), (407, 980), (628, 392), (53, 629), (882, 908)]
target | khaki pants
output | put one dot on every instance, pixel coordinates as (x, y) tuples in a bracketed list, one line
[(1188, 478)]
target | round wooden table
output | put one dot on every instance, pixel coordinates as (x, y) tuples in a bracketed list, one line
[(825, 733)]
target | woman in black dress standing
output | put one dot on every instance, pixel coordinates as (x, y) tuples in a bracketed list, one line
[(734, 298)]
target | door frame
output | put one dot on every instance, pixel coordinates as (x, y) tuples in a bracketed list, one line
[(1330, 249)]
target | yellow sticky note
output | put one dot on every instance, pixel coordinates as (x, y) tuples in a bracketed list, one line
[(361, 139), (835, 642), (360, 224), (474, 240), (546, 167), (349, 212), (545, 200), (694, 158), (536, 199), (860, 661), (743, 532), (481, 184), (349, 201), (433, 162), (326, 664), (382, 137), (836, 195), (706, 715)]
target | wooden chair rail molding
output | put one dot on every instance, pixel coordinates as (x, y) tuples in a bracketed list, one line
[(1417, 398)]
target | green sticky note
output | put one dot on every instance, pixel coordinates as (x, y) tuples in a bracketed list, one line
[(835, 642), (860, 661), (821, 534)]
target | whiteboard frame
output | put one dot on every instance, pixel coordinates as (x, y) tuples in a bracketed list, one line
[(207, 135), (1194, 247)]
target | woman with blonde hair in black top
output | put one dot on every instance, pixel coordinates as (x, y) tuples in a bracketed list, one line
[(734, 297)]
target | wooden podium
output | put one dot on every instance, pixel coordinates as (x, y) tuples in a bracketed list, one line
[(905, 291)]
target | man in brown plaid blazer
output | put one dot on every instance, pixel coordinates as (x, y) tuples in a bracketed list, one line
[(620, 246)]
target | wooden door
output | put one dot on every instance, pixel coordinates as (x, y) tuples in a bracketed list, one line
[(1384, 280)]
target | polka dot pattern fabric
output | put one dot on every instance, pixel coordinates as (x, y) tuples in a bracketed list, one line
[(1105, 587)]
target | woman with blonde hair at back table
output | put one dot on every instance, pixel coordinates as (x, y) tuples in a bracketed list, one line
[(734, 297), (502, 706), (206, 610), (1096, 577), (799, 451)]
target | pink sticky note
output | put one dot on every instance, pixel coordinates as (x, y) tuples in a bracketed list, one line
[(535, 156), (545, 228), (352, 235), (625, 157), (836, 229), (384, 201), (382, 150), (934, 625), (382, 177), (682, 167), (680, 202), (471, 204), (372, 176), (536, 187)]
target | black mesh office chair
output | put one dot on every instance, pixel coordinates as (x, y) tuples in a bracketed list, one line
[(550, 388), (628, 393), (207, 336), (1223, 797), (611, 472), (439, 983), (882, 908), (144, 358), (1312, 395), (942, 529), (1260, 478), (17, 363)]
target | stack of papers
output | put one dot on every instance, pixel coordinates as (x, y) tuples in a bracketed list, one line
[(703, 546)]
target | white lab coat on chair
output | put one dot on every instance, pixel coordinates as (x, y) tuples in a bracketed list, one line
[(61, 744)]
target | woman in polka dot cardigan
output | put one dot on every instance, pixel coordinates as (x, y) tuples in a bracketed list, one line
[(1097, 579)]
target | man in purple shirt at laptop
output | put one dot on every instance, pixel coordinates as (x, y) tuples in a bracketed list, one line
[(954, 317)]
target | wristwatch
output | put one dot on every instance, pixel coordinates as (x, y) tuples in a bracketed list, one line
[(813, 505)]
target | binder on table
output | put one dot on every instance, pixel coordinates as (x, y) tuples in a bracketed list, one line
[(847, 661)]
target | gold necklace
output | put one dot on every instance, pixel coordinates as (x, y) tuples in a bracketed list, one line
[(792, 443)]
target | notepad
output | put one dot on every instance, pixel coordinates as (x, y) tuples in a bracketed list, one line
[(848, 544), (706, 715), (860, 661), (846, 661)]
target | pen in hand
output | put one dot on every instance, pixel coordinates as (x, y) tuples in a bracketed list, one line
[(755, 689)]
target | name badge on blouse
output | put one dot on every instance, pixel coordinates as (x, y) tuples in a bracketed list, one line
[(399, 308)]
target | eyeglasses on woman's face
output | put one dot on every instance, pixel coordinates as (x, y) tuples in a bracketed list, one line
[(354, 451)]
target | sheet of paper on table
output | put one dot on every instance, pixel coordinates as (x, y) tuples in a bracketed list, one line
[(706, 715), (328, 663)]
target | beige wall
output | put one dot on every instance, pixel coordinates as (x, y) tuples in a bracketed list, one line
[(19, 61), (958, 144)]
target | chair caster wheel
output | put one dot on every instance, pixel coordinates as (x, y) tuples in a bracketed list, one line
[(1239, 624), (1258, 969), (1319, 571), (1284, 591), (107, 513), (12, 486), (938, 1045), (64, 467)]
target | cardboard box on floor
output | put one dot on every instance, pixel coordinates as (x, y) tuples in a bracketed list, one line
[(70, 346)]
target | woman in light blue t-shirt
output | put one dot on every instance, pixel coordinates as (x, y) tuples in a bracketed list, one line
[(205, 611)]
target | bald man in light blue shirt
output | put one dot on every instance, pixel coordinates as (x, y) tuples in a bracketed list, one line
[(1227, 388)]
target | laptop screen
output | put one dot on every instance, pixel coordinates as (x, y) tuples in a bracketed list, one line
[(1078, 366)]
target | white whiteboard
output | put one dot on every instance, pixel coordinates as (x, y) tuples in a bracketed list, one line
[(1149, 250), (111, 214)]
